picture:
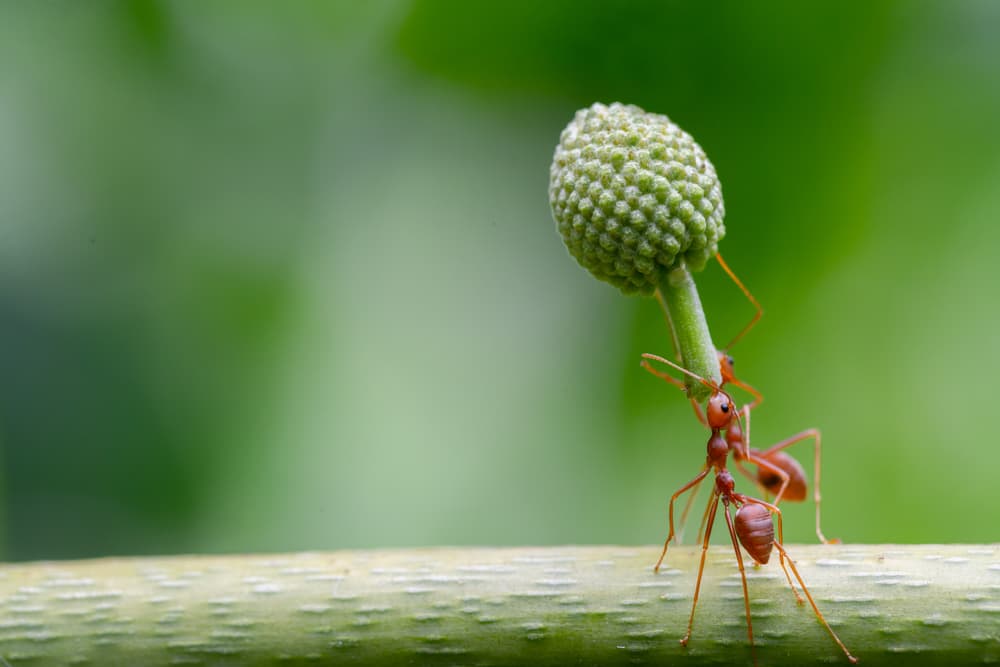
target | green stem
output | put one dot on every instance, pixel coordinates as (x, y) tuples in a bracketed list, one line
[(678, 295), (891, 604)]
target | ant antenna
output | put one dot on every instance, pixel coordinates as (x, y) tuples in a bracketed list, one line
[(746, 292), (708, 383)]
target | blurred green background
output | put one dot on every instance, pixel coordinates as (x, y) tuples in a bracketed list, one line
[(282, 276)]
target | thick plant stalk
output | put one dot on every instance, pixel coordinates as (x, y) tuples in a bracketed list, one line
[(678, 295), (908, 604)]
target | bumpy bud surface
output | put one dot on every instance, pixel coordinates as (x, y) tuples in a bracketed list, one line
[(633, 195)]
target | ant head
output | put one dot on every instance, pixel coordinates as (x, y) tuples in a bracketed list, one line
[(726, 363), (720, 410)]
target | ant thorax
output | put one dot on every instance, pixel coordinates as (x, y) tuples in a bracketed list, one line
[(718, 450), (725, 484)]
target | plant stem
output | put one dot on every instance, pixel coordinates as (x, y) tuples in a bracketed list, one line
[(517, 606), (678, 295)]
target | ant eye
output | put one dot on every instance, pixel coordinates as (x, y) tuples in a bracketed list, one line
[(732, 362), (725, 407)]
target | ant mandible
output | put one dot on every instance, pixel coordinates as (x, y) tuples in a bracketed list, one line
[(777, 471), (752, 525)]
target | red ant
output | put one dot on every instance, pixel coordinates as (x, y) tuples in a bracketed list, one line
[(752, 526), (777, 471)]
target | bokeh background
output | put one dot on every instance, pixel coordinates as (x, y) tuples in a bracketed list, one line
[(282, 276)]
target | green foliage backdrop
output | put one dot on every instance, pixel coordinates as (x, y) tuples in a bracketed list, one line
[(283, 276)]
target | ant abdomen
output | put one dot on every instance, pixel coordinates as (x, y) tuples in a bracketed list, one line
[(797, 483), (755, 530)]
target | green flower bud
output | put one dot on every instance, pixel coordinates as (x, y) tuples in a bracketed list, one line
[(634, 196)]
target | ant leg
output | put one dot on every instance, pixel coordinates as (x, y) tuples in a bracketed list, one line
[(708, 383), (701, 567), (774, 470), (757, 458), (749, 296), (743, 577), (670, 535), (743, 452), (687, 510), (812, 603), (788, 442), (698, 412), (744, 414), (677, 383), (704, 520), (758, 397), (660, 374)]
